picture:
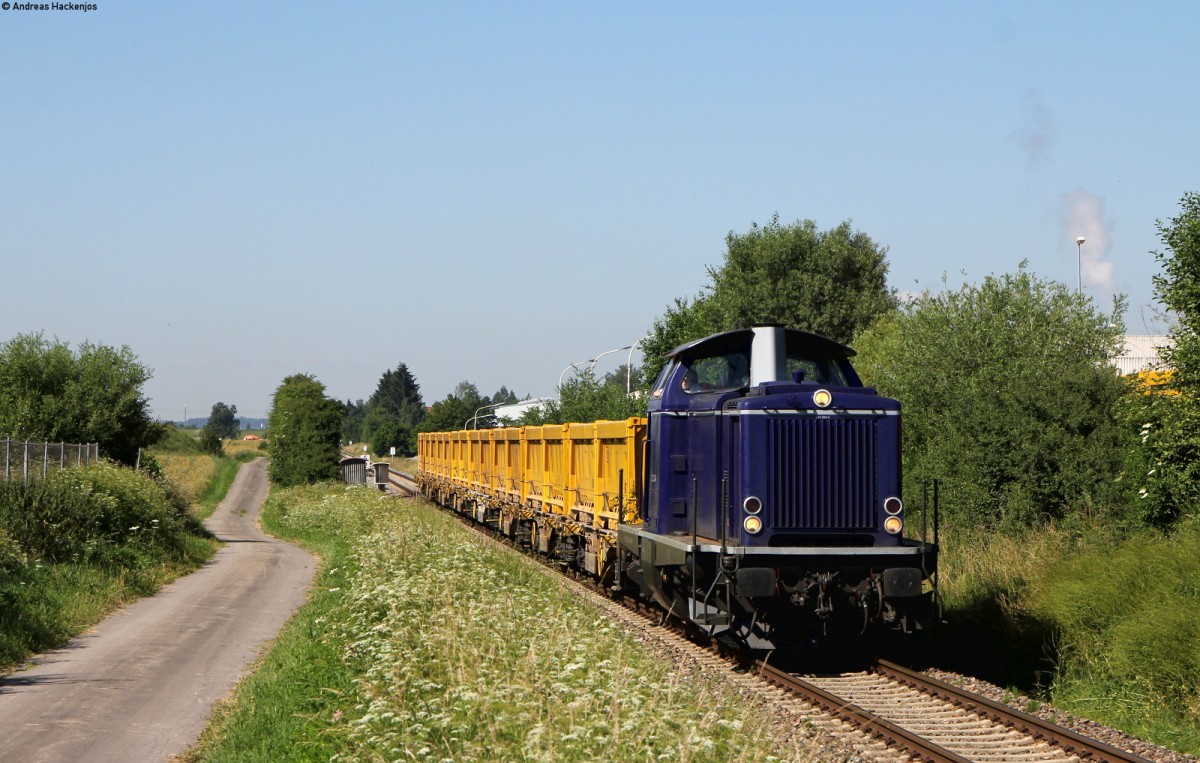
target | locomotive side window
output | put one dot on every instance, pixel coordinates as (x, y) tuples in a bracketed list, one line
[(716, 373), (819, 370)]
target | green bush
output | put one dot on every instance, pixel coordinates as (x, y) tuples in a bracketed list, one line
[(1008, 399), (88, 513), (305, 429), (12, 556), (1163, 459)]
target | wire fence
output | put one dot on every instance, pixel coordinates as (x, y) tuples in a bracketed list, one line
[(35, 460)]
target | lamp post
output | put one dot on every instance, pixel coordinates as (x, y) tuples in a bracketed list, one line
[(475, 418), (606, 352), (573, 365), (1079, 262), (629, 365)]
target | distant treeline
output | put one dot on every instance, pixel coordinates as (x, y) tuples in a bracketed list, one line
[(196, 422)]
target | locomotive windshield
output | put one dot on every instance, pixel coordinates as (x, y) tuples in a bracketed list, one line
[(739, 359), (717, 373)]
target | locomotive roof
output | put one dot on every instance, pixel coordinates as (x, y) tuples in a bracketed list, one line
[(798, 342)]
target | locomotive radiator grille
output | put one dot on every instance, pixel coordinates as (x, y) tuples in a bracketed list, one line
[(823, 473)]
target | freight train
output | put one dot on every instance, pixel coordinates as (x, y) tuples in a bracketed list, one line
[(759, 500)]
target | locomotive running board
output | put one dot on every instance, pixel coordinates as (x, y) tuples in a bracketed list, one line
[(712, 546)]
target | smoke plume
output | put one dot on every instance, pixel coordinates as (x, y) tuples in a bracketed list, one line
[(1036, 137), (1085, 217)]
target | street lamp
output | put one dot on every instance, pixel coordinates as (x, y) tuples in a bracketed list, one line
[(629, 365), (475, 418), (573, 365), (1079, 261), (606, 352)]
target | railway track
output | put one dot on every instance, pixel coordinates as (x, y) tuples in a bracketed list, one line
[(402, 483), (938, 722), (899, 713)]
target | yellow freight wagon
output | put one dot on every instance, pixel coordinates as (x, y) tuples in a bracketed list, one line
[(562, 489)]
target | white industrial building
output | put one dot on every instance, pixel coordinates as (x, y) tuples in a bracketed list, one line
[(1142, 352)]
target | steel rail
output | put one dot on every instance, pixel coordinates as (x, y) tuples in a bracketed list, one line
[(859, 717), (1066, 739)]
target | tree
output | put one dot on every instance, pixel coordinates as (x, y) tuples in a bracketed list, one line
[(393, 412), (504, 396), (458, 410), (583, 398), (222, 425), (830, 282), (93, 394), (354, 416), (627, 377), (399, 396), (1179, 289), (1009, 398), (1166, 463), (304, 432), (223, 420)]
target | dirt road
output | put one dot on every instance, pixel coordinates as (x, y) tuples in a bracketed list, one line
[(141, 685)]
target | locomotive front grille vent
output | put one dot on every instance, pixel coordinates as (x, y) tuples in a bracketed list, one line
[(823, 473)]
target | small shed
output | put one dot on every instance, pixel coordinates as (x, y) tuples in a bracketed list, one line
[(354, 470)]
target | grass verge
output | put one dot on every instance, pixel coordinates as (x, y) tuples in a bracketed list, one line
[(1098, 626), (425, 642)]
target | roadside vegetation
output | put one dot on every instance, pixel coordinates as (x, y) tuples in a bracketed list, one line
[(87, 540), (81, 543), (424, 641), (92, 393)]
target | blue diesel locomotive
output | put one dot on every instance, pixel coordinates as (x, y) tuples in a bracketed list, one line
[(771, 496)]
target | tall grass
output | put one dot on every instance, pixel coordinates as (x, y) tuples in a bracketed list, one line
[(1101, 626), (1129, 634), (453, 649), (190, 473)]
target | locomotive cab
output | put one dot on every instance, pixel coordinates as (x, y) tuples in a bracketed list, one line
[(771, 498)]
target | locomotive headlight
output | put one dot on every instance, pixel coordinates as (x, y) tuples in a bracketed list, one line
[(752, 505), (893, 525), (822, 398), (752, 525), (893, 505)]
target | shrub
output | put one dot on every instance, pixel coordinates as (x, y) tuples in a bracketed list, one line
[(1163, 465), (305, 430), (90, 512), (1008, 398)]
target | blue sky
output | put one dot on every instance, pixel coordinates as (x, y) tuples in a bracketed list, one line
[(490, 192)]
